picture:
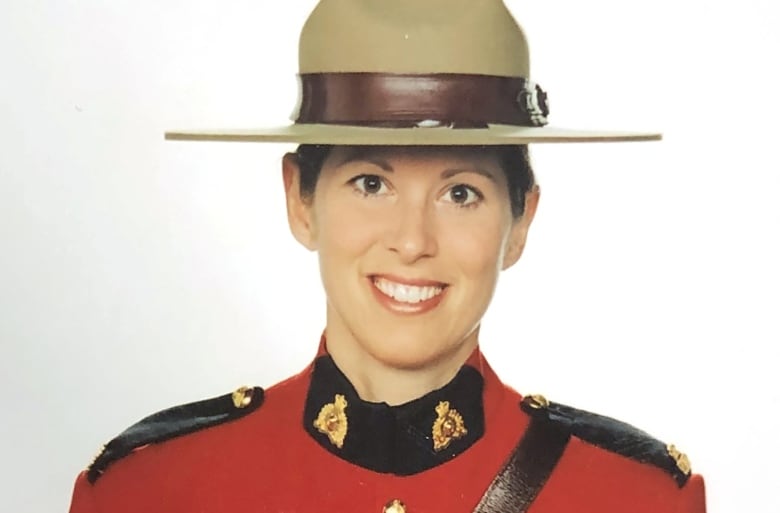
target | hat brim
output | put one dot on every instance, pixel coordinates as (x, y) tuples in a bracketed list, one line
[(417, 136)]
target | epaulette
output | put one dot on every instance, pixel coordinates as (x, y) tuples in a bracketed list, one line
[(174, 422), (612, 435)]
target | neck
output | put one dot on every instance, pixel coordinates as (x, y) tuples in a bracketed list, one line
[(380, 381)]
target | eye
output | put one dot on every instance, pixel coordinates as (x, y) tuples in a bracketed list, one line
[(463, 195), (369, 185)]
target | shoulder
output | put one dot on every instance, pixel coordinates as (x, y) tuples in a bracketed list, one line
[(201, 434), (604, 464), (176, 422), (612, 438)]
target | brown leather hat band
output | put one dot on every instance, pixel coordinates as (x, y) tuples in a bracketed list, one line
[(385, 99)]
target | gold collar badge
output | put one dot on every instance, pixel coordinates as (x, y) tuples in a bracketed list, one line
[(332, 421), (447, 427)]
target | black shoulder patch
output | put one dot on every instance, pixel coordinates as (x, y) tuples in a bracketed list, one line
[(174, 422), (613, 435)]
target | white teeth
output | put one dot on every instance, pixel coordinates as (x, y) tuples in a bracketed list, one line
[(406, 293)]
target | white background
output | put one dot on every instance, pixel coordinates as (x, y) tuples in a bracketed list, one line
[(137, 273)]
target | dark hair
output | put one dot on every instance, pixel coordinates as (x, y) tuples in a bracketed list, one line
[(514, 160)]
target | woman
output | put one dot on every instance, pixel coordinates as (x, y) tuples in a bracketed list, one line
[(413, 185)]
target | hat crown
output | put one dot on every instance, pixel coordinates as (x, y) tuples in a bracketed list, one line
[(413, 36), (415, 72)]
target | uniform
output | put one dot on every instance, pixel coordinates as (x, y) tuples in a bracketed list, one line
[(310, 444), (400, 73)]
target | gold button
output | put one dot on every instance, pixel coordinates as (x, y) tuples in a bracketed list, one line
[(242, 397), (394, 506), (536, 401)]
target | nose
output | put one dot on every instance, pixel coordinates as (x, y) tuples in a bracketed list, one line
[(412, 233)]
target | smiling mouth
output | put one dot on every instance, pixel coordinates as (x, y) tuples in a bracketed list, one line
[(407, 293)]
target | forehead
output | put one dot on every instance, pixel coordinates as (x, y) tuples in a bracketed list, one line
[(482, 155)]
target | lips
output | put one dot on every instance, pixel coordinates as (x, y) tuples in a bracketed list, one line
[(406, 293), (407, 296)]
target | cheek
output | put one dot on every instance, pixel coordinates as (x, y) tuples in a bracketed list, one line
[(344, 232), (476, 246)]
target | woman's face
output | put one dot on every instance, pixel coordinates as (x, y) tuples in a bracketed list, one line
[(411, 242)]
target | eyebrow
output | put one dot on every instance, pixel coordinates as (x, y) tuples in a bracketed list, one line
[(371, 160), (449, 173), (362, 155), (359, 156)]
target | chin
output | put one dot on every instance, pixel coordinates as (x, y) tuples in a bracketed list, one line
[(411, 351)]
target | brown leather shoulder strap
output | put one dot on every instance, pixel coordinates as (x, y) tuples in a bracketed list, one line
[(514, 488)]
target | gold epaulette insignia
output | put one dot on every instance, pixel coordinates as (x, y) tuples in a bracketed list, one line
[(680, 459), (332, 421), (448, 426), (242, 397), (97, 455)]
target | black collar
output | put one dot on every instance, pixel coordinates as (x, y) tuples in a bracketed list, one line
[(401, 440)]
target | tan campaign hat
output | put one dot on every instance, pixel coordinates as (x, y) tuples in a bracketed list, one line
[(415, 72)]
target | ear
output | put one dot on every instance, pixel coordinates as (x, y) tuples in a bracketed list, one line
[(517, 237), (299, 209)]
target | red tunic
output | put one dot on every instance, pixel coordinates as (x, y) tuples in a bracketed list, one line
[(268, 462)]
